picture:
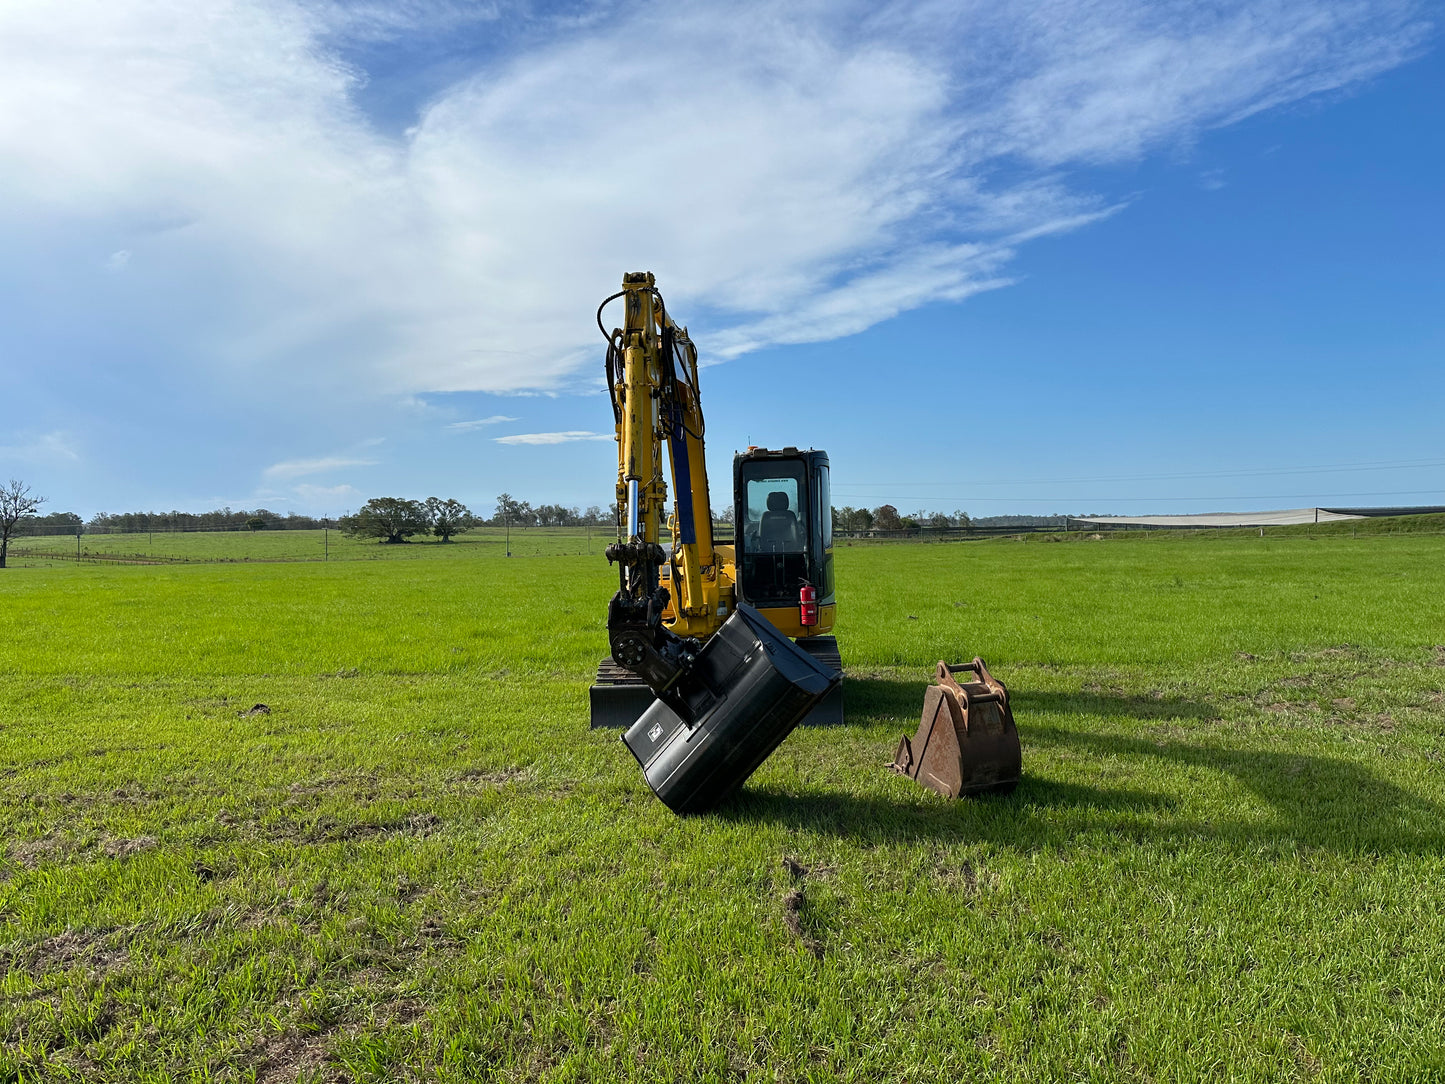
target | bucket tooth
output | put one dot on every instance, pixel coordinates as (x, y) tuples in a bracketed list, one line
[(967, 742)]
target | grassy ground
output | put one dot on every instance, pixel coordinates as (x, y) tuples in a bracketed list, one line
[(418, 863), (166, 547)]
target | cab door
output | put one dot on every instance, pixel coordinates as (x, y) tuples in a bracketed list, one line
[(783, 524)]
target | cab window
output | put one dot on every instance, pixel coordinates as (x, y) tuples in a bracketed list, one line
[(824, 510), (775, 534)]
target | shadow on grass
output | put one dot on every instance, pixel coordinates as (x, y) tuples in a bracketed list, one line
[(889, 698), (1313, 801), (1316, 801)]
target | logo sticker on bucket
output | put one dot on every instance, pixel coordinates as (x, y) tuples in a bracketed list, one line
[(655, 732)]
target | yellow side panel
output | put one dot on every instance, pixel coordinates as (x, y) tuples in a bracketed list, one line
[(785, 618)]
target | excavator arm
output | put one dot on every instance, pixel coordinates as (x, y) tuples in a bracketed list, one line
[(668, 600)]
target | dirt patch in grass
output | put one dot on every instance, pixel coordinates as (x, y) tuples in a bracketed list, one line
[(1339, 651), (417, 824), (494, 776), (403, 1012), (48, 848), (423, 824), (329, 829), (362, 785), (794, 905), (124, 848), (293, 1055), (963, 877), (795, 908), (100, 951)]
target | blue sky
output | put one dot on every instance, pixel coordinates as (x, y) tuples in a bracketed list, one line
[(1064, 257)]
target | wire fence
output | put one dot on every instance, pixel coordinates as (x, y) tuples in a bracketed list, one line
[(182, 545)]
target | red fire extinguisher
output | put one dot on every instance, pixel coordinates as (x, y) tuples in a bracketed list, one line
[(808, 605)]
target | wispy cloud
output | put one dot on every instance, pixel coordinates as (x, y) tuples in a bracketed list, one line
[(299, 468), (810, 169), (323, 496), (552, 438), (383, 20), (480, 423), (55, 448)]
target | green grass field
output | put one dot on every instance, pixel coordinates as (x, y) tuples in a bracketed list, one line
[(1225, 861), (166, 547)]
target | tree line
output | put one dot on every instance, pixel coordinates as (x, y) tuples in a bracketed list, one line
[(887, 518), (511, 512), (398, 519), (221, 519)]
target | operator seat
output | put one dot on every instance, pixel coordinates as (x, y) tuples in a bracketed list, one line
[(779, 526)]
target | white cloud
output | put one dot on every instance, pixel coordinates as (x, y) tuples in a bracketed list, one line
[(118, 260), (325, 496), (552, 438), (799, 172), (382, 20), (480, 423), (52, 449), (299, 468)]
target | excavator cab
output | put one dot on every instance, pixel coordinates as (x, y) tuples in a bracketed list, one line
[(783, 524), (783, 548)]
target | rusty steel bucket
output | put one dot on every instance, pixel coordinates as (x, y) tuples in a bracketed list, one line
[(966, 742)]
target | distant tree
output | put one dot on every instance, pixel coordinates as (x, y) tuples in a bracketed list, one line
[(17, 506), (555, 515), (448, 517), (391, 519), (886, 518), (68, 521), (510, 510), (593, 517), (723, 516), (256, 523), (853, 520), (908, 523)]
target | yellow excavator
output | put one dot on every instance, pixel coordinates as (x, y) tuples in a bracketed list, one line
[(717, 651)]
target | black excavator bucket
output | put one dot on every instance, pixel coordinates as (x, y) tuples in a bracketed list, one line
[(750, 686), (618, 697), (966, 742)]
